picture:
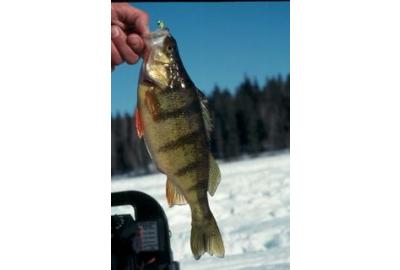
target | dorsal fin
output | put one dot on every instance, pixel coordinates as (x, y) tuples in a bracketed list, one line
[(205, 113)]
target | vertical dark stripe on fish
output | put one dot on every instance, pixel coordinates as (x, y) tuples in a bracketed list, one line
[(192, 107), (185, 139), (196, 165), (198, 186)]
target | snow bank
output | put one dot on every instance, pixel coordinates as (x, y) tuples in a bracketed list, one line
[(251, 207)]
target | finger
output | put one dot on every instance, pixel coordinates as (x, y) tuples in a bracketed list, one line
[(120, 41), (136, 20), (136, 43), (116, 58), (115, 7)]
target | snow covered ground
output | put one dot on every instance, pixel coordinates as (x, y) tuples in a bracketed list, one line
[(251, 207)]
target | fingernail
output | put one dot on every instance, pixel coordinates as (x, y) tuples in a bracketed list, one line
[(114, 31)]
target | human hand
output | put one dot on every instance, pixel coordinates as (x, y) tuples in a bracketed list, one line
[(128, 24)]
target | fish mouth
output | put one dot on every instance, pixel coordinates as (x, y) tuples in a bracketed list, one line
[(156, 38), (154, 41), (155, 59)]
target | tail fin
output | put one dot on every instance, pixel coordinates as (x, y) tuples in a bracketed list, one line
[(205, 237)]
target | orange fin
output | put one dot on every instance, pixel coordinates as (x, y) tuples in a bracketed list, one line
[(139, 124), (174, 197)]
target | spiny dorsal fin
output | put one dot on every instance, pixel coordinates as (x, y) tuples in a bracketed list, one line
[(174, 197), (205, 113), (214, 176)]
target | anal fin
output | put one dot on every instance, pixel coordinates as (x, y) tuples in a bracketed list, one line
[(174, 197), (152, 104), (214, 176)]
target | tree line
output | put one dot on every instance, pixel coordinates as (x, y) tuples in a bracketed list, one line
[(250, 120)]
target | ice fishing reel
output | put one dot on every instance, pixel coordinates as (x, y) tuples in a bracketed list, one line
[(140, 241)]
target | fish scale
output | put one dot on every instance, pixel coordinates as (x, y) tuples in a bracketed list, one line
[(173, 119)]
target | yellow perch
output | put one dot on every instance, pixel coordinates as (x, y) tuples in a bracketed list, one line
[(173, 119)]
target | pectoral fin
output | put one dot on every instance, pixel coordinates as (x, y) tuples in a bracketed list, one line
[(214, 176), (139, 124), (152, 104), (174, 197)]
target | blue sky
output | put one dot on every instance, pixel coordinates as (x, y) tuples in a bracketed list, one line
[(218, 42)]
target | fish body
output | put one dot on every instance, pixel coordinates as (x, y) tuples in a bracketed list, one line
[(172, 117)]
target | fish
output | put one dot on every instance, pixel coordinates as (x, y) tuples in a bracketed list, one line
[(173, 118)]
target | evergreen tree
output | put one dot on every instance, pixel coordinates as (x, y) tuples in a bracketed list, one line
[(114, 147), (251, 120), (118, 161), (217, 143), (128, 153), (247, 117), (286, 107), (230, 130), (277, 114)]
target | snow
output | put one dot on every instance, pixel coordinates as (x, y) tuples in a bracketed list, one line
[(251, 207)]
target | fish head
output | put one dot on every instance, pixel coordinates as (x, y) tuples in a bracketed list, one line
[(160, 54)]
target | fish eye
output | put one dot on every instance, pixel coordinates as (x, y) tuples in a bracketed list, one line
[(169, 49)]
